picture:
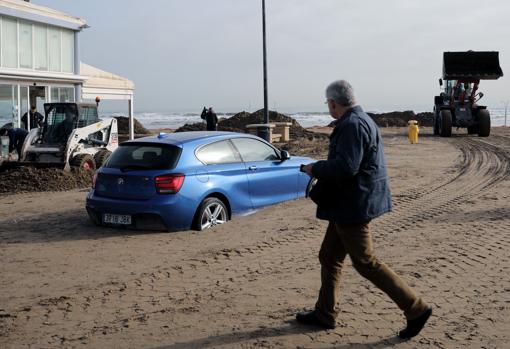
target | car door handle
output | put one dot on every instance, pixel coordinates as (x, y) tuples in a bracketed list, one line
[(252, 168)]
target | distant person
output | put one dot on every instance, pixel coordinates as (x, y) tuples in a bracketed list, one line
[(16, 139), (36, 119), (204, 113), (212, 120), (357, 192)]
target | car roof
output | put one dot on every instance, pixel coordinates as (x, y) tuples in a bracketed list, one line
[(189, 136)]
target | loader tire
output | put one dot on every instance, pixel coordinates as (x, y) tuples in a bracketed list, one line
[(445, 124), (484, 123), (101, 156), (83, 162), (436, 121)]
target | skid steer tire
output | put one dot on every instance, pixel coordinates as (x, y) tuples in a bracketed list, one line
[(83, 162), (101, 156), (484, 123), (445, 124)]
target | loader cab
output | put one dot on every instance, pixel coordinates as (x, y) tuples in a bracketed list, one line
[(62, 118)]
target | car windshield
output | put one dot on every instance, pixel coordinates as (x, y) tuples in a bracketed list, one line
[(144, 156)]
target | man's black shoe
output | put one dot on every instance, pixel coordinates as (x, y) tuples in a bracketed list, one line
[(414, 326), (311, 318)]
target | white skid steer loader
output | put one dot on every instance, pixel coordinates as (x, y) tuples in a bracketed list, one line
[(72, 136)]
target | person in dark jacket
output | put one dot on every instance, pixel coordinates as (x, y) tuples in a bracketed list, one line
[(36, 119), (212, 120), (16, 139), (355, 170)]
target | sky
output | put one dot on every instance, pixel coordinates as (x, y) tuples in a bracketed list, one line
[(186, 54)]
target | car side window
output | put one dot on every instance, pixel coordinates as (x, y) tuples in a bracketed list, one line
[(217, 153), (254, 150)]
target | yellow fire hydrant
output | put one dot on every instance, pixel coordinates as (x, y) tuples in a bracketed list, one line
[(412, 131)]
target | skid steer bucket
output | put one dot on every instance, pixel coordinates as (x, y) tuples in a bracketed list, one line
[(471, 66)]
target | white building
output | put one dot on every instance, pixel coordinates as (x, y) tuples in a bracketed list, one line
[(40, 62)]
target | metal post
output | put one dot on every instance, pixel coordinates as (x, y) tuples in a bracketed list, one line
[(265, 133), (77, 66), (131, 119), (506, 103)]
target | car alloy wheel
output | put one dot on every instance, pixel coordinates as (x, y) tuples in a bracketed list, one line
[(213, 212)]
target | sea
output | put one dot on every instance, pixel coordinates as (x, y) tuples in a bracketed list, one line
[(154, 120), (174, 120)]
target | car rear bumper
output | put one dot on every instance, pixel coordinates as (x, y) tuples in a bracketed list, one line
[(161, 213)]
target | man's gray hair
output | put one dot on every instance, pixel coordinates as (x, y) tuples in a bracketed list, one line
[(341, 92)]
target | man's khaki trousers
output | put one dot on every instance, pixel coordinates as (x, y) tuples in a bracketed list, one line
[(355, 240)]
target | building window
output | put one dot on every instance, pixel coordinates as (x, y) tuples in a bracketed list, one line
[(67, 51), (55, 47), (62, 94), (40, 47), (9, 104), (25, 45), (9, 43), (29, 45)]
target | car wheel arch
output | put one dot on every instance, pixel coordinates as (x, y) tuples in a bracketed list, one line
[(219, 196)]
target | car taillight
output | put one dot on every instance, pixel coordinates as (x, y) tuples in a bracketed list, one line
[(169, 184), (94, 179)]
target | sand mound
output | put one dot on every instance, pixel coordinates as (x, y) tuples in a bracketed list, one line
[(29, 179), (400, 118), (123, 126), (238, 122)]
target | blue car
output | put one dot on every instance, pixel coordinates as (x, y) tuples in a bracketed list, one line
[(193, 180)]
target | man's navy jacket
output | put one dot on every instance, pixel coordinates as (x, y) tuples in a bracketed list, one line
[(16, 135), (356, 165)]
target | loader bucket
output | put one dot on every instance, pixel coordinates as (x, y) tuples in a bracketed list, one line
[(471, 66)]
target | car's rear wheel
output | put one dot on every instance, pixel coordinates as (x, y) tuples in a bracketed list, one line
[(211, 212)]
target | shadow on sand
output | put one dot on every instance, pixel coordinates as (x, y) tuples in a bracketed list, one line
[(291, 328)]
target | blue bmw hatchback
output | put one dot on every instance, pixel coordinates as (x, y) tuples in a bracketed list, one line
[(194, 180)]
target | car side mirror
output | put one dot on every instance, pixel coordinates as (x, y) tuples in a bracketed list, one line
[(440, 82), (284, 155)]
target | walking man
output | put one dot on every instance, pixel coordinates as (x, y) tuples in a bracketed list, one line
[(356, 170)]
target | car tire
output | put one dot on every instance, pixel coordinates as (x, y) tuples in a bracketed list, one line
[(212, 211), (83, 162)]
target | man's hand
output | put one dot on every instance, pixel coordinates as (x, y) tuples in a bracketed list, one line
[(9, 157), (307, 169)]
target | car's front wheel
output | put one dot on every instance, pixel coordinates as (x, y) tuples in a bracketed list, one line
[(212, 212)]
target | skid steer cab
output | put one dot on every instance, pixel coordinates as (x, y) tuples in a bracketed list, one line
[(72, 136), (457, 105)]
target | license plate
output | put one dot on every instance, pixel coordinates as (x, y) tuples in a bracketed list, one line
[(116, 218)]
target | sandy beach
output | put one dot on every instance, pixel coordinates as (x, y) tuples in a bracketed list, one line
[(68, 284)]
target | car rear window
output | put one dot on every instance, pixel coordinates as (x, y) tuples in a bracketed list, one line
[(144, 156)]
